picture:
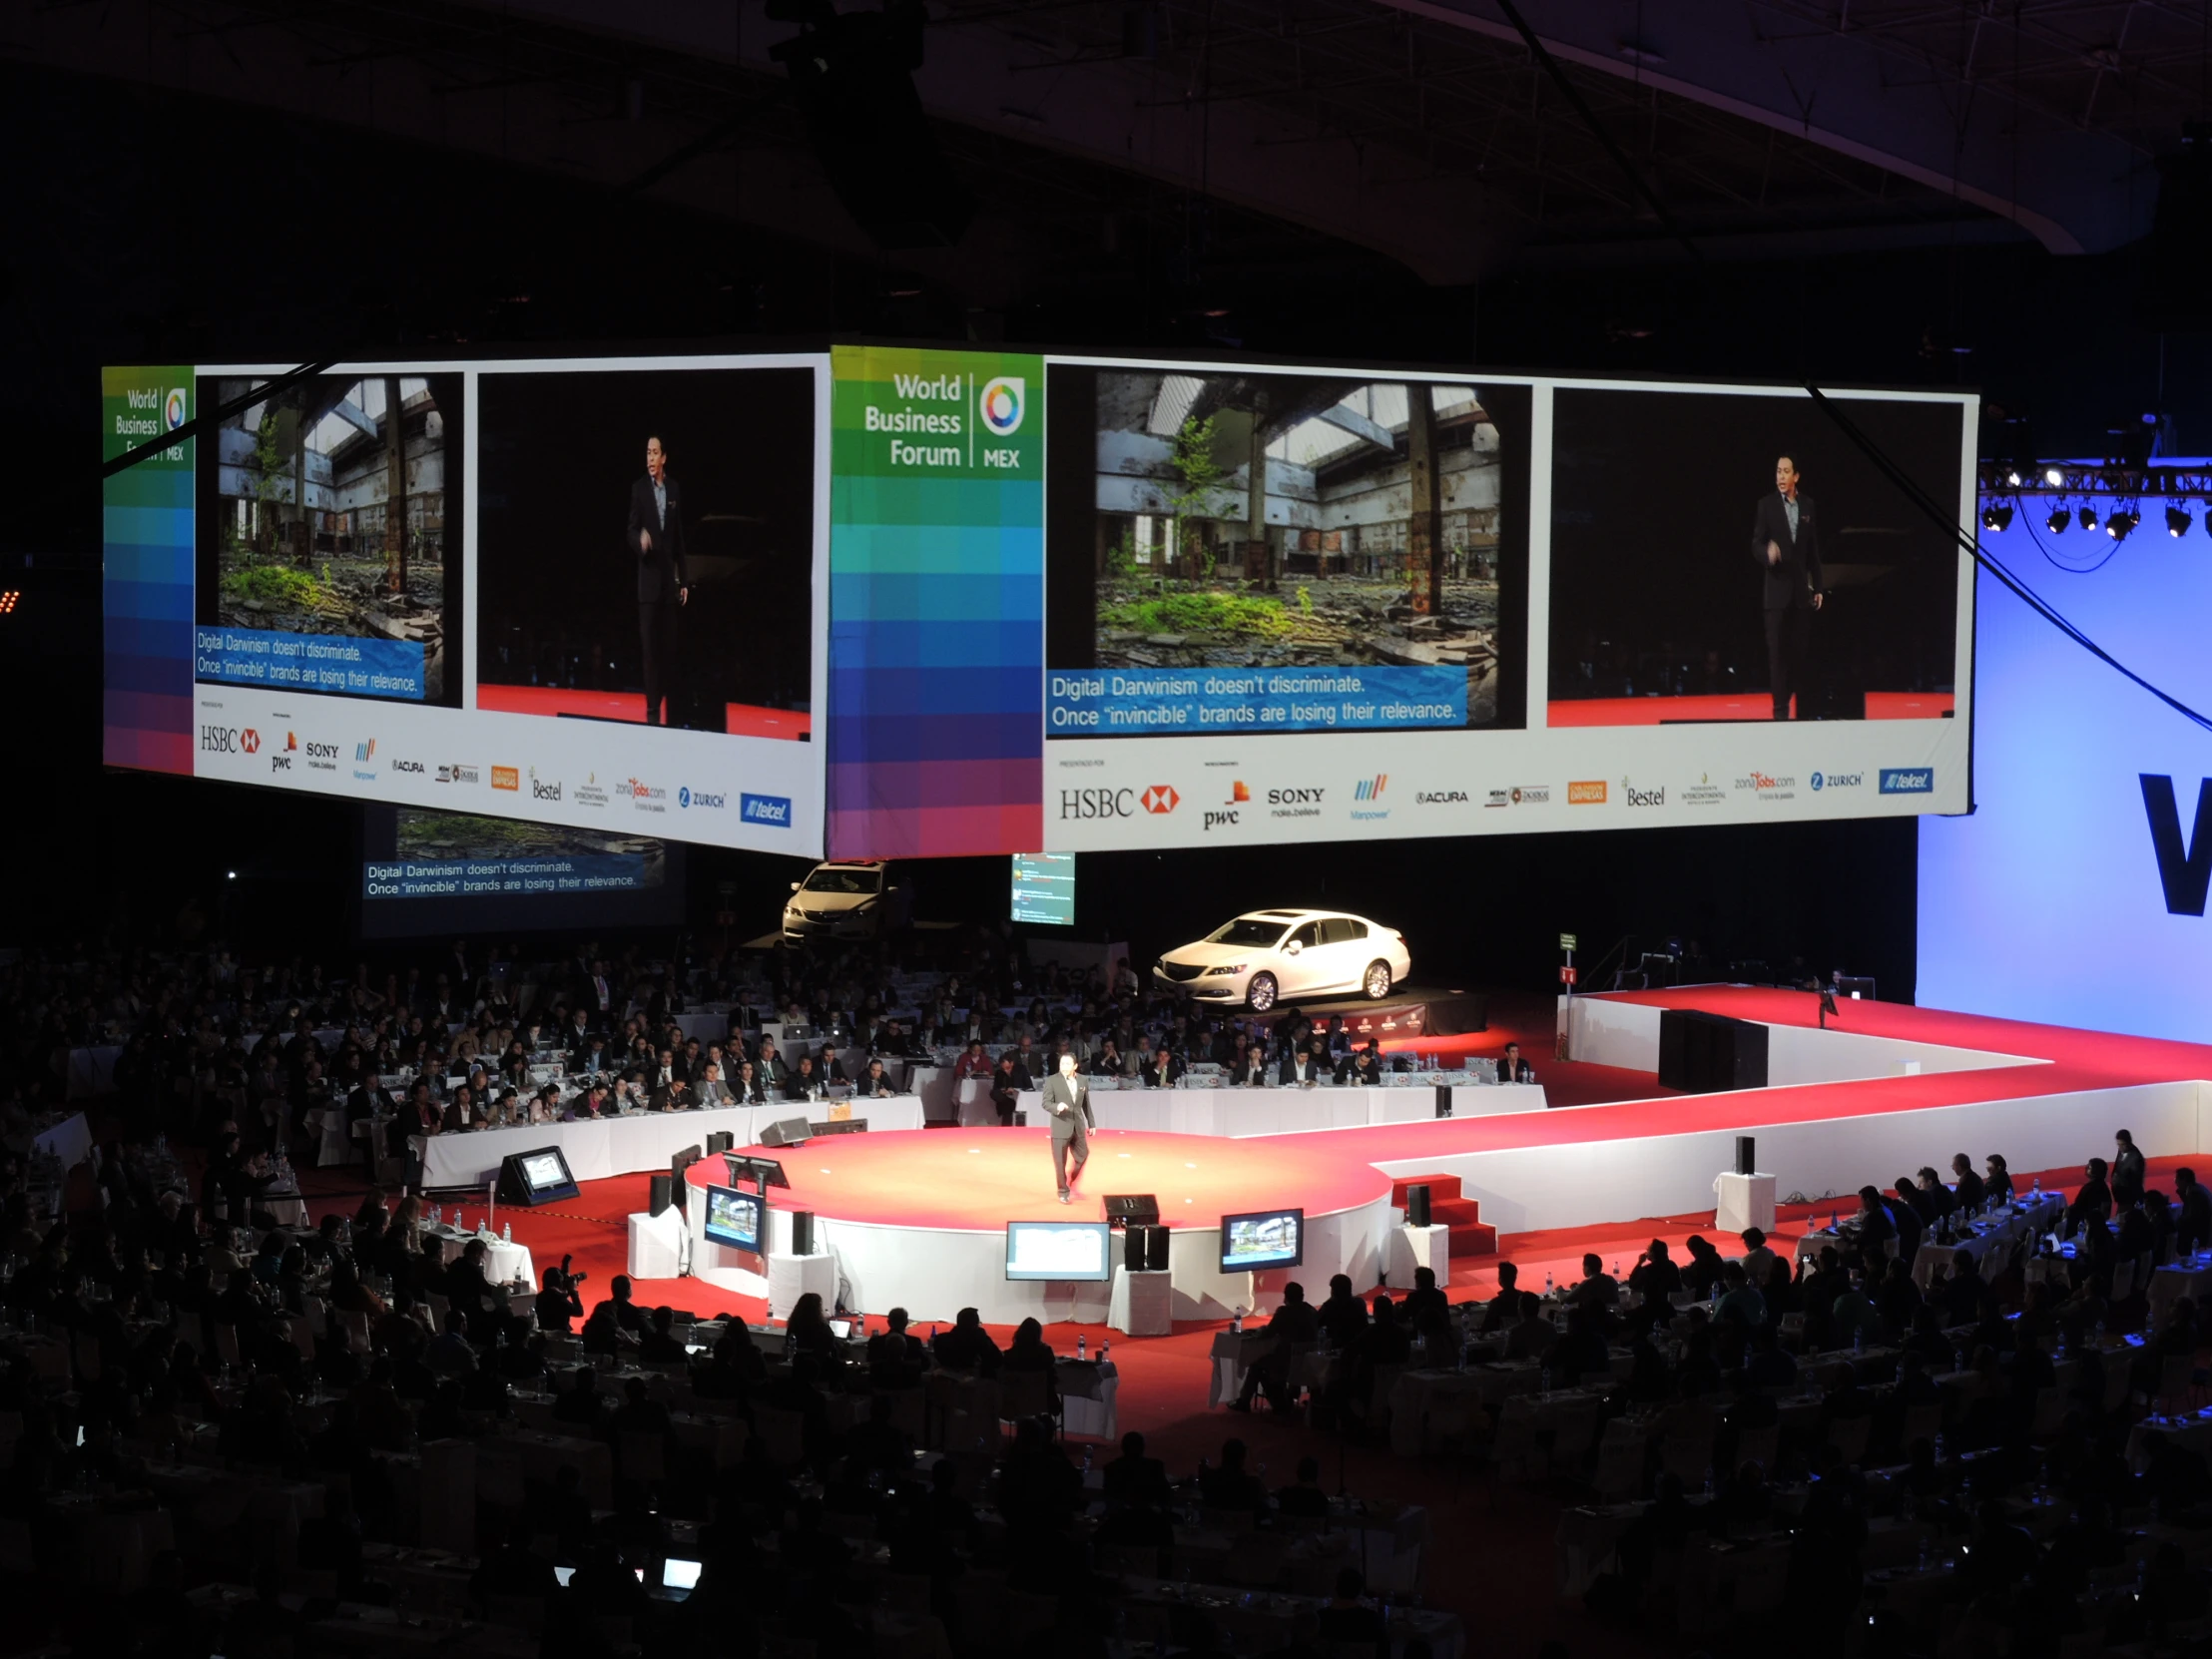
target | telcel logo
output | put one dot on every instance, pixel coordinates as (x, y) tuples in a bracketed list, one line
[(1590, 792), (700, 797), (1907, 779), (773, 809)]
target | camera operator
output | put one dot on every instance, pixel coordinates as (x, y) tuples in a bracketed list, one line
[(558, 1303)]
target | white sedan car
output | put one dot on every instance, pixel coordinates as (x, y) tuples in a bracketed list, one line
[(1265, 955)]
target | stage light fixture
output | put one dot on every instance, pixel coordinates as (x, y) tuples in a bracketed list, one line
[(2119, 523), (2088, 518), (2177, 520), (1997, 516), (2013, 477), (2059, 520), (2053, 477)]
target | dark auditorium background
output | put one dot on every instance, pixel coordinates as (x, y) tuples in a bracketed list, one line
[(158, 223)]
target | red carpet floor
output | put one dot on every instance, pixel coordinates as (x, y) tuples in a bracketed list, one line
[(1659, 711), (743, 719), (978, 1180)]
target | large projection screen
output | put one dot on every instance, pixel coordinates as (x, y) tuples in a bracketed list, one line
[(1290, 604), (451, 586)]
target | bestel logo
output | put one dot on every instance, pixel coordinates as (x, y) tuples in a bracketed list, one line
[(1643, 797), (250, 740), (1589, 792), (1160, 800), (1097, 803), (507, 778), (540, 789)]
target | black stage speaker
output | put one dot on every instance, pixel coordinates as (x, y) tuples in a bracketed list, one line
[(1417, 1205), (1747, 1155), (720, 1141), (841, 1126), (1700, 1052), (678, 1163), (1132, 1210), (786, 1132), (661, 1199), (1144, 1249), (1443, 1100), (803, 1232)]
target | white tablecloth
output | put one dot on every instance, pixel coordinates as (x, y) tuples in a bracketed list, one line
[(69, 1140), (635, 1144), (504, 1259), (1245, 1111)]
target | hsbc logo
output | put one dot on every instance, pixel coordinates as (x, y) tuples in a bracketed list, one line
[(1090, 803), (1159, 800), (220, 740), (250, 740)]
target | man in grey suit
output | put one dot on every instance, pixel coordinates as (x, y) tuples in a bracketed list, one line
[(1067, 1100)]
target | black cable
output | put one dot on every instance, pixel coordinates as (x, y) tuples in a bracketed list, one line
[(214, 418), (2057, 563), (1911, 491)]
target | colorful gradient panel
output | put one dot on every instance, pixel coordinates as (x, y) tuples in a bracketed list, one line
[(147, 536), (936, 603)]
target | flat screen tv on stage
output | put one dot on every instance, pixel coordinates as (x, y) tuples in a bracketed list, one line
[(1072, 1250), (734, 1218), (535, 1177), (1263, 1239)]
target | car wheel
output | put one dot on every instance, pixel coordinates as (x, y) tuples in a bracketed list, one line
[(1377, 981), (1259, 995)]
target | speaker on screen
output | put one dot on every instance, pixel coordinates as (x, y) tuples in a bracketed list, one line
[(662, 1188), (803, 1232), (1417, 1205)]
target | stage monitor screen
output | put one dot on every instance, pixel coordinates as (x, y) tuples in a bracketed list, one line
[(734, 1218), (1263, 1239), (679, 1575), (1077, 1250), (545, 1169), (513, 588), (433, 874), (1044, 888)]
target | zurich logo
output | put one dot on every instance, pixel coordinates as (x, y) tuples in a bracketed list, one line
[(683, 798), (1818, 779)]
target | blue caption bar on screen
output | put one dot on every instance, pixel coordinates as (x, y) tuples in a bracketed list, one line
[(1107, 703), (462, 878), (308, 662)]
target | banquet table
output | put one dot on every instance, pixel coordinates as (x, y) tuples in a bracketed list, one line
[(70, 1140), (505, 1261), (2037, 1212), (635, 1141), (2191, 1278), (1087, 1398)]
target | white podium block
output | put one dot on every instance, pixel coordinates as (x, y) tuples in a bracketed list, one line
[(1419, 1246), (1745, 1201), (1143, 1303), (657, 1244), (792, 1276)]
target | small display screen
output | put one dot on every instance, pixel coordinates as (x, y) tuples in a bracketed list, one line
[(679, 1575), (1059, 1250), (545, 1169), (1263, 1239), (1044, 888), (734, 1218)]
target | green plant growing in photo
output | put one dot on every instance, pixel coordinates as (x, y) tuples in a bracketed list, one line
[(1209, 612), (1199, 475)]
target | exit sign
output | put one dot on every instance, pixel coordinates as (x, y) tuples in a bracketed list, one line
[(1566, 942)]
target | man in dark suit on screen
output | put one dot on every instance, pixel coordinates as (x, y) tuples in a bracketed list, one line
[(656, 539), (1067, 1102), (1786, 546)]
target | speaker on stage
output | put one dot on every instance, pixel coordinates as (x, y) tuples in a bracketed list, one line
[(1443, 1100), (661, 1199), (803, 1232), (678, 1163), (1132, 1210), (1417, 1204), (790, 1130), (1144, 1249), (720, 1141), (1747, 1156)]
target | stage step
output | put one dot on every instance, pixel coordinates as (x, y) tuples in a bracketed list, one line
[(1470, 1234)]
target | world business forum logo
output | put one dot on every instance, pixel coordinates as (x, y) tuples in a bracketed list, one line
[(1001, 403)]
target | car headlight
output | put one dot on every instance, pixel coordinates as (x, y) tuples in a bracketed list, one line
[(1212, 971)]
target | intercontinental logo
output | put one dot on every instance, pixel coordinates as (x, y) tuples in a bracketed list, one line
[(1705, 792), (591, 792)]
